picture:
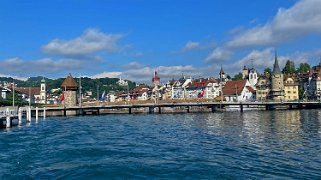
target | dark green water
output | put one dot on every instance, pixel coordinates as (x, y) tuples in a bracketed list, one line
[(231, 145)]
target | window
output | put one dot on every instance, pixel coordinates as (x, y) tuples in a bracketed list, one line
[(43, 88)]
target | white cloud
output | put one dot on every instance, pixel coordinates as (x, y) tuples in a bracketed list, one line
[(42, 66), (91, 41), (288, 24), (107, 74), (139, 54), (265, 58), (219, 54), (133, 65), (260, 59), (190, 45), (145, 73)]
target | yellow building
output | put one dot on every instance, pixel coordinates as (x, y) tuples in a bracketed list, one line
[(291, 89)]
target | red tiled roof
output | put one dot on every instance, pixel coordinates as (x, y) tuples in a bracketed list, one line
[(25, 90), (233, 87), (197, 83), (251, 89)]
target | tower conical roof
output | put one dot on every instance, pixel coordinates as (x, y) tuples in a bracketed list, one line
[(222, 71), (276, 68), (69, 83)]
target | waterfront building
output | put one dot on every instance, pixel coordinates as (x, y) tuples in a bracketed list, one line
[(141, 93), (111, 97), (212, 88), (69, 87), (291, 89), (167, 89), (179, 88), (263, 87), (121, 96), (196, 88), (277, 86), (238, 91), (251, 75), (314, 83), (208, 88), (315, 87), (4, 92)]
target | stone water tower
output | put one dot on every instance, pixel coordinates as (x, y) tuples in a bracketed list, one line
[(69, 88)]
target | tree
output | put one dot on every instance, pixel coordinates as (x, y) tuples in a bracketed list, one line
[(238, 76), (304, 68), (289, 67), (267, 70)]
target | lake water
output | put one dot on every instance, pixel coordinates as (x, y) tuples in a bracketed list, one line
[(230, 145)]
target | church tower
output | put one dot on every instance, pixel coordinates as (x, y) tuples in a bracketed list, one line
[(245, 72), (277, 90), (253, 77), (156, 79), (222, 74), (43, 93)]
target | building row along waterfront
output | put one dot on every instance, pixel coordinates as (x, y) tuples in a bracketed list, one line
[(269, 86)]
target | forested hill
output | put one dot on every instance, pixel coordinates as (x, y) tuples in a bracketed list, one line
[(104, 84)]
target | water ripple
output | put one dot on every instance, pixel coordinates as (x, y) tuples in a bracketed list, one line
[(249, 145)]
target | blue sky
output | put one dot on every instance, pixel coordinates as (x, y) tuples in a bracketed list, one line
[(132, 38)]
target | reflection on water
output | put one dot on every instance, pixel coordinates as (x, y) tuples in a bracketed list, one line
[(229, 145)]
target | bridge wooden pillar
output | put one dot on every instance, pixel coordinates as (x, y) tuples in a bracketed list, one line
[(187, 108), (241, 107), (81, 111), (98, 111), (213, 108), (65, 112), (290, 107), (268, 107), (151, 110), (160, 110), (129, 110)]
